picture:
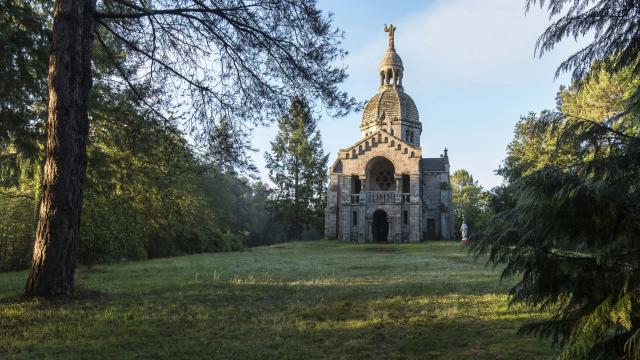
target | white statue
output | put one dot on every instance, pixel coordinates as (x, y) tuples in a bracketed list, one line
[(464, 229)]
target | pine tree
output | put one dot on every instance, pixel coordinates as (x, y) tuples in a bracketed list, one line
[(228, 59), (297, 167), (568, 220)]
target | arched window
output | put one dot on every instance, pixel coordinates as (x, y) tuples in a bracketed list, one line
[(380, 175)]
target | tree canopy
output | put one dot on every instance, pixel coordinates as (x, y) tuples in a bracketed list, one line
[(229, 64), (470, 201), (567, 220), (176, 89), (612, 23)]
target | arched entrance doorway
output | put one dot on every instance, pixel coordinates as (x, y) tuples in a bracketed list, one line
[(380, 226)]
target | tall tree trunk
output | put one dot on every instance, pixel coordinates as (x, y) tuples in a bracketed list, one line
[(296, 203), (57, 232)]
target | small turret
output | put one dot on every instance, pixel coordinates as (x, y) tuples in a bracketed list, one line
[(391, 69)]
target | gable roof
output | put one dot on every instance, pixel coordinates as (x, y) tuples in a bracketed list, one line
[(432, 164), (375, 135)]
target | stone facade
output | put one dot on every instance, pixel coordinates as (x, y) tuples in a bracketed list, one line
[(380, 188)]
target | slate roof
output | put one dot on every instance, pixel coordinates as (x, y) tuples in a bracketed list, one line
[(432, 164)]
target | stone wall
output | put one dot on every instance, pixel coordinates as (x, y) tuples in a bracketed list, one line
[(429, 193), (331, 210), (436, 204)]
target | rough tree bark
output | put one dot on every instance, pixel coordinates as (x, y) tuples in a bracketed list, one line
[(57, 232)]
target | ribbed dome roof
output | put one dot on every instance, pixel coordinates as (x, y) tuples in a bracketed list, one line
[(391, 59), (389, 104)]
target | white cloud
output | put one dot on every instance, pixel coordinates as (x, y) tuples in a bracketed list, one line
[(462, 43), (470, 68)]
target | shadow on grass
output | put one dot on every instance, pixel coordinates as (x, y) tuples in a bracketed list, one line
[(270, 321), (302, 301), (80, 294)]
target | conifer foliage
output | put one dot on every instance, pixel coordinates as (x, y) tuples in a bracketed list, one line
[(614, 26), (297, 167), (572, 236), (569, 219)]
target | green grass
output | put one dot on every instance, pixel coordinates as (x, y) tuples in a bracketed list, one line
[(306, 300)]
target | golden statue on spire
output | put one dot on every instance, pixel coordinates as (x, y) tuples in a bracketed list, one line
[(391, 30)]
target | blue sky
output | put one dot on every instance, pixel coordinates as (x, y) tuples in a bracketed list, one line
[(469, 67)]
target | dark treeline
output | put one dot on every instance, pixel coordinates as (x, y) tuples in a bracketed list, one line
[(147, 194), (148, 191)]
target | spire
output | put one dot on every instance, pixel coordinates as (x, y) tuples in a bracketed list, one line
[(391, 30)]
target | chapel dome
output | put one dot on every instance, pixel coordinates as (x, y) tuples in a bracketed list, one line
[(391, 60), (389, 105)]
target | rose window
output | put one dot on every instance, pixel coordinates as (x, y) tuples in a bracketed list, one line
[(384, 179)]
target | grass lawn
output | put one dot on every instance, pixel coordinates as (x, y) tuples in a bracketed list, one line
[(304, 300)]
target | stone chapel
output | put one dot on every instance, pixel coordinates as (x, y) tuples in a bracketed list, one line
[(381, 189)]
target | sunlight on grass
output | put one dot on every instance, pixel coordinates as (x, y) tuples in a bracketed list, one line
[(310, 300)]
